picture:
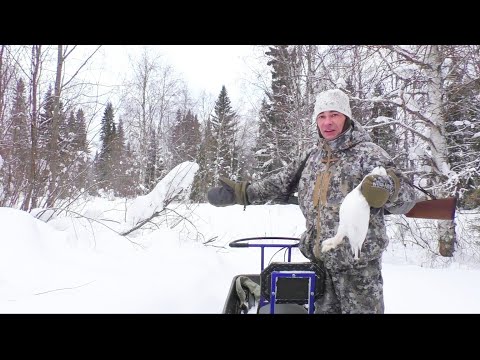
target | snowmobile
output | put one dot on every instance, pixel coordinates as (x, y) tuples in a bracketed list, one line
[(280, 288)]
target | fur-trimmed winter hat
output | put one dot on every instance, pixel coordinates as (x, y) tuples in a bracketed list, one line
[(332, 100)]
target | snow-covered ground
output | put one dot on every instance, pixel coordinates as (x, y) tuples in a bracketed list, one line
[(180, 262)]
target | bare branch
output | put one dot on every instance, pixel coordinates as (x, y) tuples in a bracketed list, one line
[(66, 288), (396, 122), (81, 66)]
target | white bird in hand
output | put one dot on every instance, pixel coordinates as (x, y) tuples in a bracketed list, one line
[(354, 218)]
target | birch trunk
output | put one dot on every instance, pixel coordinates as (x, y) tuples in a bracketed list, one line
[(446, 228)]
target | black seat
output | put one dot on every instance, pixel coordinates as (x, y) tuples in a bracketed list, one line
[(284, 309)]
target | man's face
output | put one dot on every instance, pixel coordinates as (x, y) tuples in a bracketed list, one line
[(330, 124)]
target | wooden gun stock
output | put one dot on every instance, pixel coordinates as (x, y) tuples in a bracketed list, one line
[(438, 209)]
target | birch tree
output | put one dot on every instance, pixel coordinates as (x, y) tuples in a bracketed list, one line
[(148, 109), (423, 74)]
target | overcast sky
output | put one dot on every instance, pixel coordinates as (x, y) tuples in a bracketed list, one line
[(203, 67)]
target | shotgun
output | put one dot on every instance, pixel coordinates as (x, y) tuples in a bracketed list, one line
[(433, 208), (437, 209)]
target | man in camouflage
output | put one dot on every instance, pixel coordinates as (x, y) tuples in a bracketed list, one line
[(345, 154)]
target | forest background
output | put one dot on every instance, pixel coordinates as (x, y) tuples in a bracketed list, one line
[(66, 136)]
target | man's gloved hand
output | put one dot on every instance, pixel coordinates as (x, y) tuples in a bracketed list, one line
[(377, 189), (230, 193)]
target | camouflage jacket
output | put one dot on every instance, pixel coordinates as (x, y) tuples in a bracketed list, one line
[(332, 170)]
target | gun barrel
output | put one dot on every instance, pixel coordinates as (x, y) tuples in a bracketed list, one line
[(438, 209)]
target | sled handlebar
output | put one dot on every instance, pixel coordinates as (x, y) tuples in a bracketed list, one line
[(245, 243)]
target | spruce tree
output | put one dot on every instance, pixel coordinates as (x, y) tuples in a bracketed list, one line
[(204, 177), (121, 181), (280, 117), (104, 164), (223, 127), (265, 148), (185, 138)]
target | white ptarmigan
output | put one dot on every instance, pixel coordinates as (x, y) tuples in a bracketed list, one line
[(354, 218)]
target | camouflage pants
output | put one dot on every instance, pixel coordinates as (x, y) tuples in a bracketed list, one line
[(354, 291)]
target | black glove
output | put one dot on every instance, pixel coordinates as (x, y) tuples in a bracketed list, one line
[(229, 193)]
